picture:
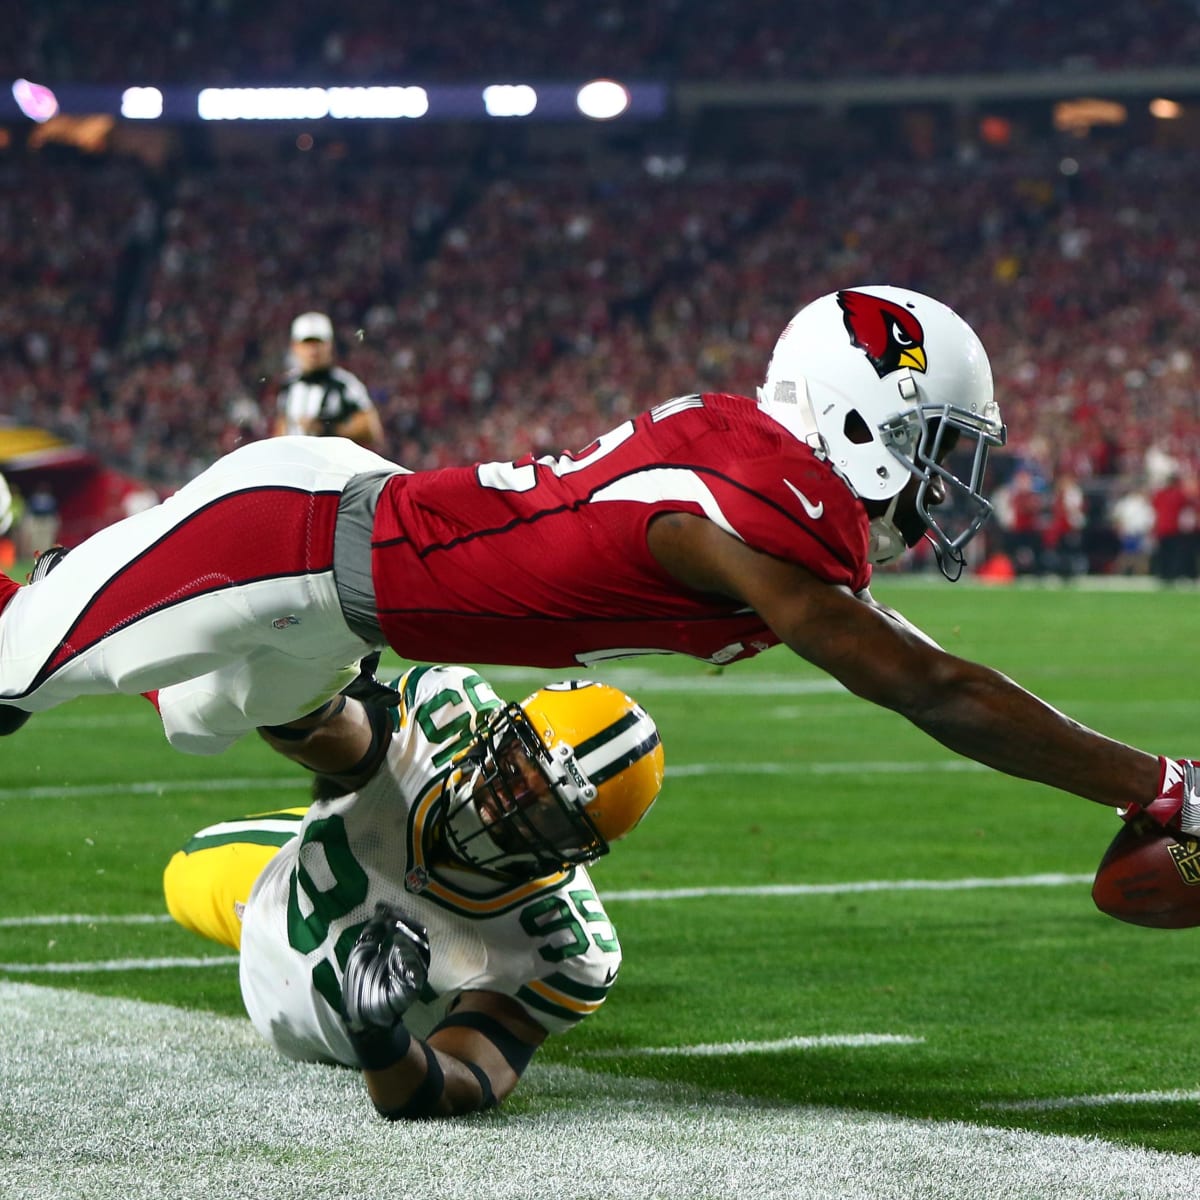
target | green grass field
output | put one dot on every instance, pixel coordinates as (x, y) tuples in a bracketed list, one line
[(1005, 996)]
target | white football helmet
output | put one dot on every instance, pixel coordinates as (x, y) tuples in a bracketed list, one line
[(553, 780), (883, 382)]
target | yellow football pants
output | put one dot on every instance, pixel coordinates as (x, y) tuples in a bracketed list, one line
[(207, 882)]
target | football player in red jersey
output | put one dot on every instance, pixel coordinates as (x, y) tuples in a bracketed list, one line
[(712, 525)]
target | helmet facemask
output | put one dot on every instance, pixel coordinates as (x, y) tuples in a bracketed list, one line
[(922, 438), (516, 808)]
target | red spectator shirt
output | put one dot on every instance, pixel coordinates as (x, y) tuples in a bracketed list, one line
[(543, 562)]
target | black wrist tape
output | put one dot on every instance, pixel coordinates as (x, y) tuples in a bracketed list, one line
[(327, 711), (424, 1101), (378, 1049), (354, 777), (516, 1052), (488, 1099)]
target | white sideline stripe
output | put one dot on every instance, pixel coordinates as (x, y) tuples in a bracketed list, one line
[(162, 787), (771, 889), (1099, 1100), (712, 1049), (114, 964), (865, 885)]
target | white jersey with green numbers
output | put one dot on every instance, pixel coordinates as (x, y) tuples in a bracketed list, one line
[(547, 943)]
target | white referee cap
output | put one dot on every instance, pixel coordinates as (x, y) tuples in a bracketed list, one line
[(313, 326)]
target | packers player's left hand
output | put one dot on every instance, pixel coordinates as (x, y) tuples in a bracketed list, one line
[(385, 972)]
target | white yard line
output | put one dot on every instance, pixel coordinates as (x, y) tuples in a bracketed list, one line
[(85, 919), (115, 964), (162, 787), (155, 787), (1099, 1100), (718, 1049), (852, 887)]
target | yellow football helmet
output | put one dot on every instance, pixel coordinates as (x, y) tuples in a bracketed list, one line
[(554, 780)]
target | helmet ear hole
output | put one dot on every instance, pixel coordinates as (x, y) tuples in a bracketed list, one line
[(856, 429)]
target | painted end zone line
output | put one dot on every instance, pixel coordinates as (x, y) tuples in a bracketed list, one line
[(712, 1049), (864, 885)]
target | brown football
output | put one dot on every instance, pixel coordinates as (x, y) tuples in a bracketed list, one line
[(1149, 876)]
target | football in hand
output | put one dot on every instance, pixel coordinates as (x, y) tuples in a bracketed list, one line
[(1150, 876)]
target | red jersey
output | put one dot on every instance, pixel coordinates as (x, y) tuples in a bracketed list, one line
[(544, 563)]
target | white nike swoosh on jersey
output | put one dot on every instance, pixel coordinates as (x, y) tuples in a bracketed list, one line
[(813, 510)]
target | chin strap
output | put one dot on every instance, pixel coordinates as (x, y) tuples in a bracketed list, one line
[(950, 562), (886, 544)]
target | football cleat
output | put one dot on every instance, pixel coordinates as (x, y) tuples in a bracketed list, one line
[(45, 562), (11, 719)]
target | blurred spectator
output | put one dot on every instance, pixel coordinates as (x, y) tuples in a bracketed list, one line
[(39, 528), (1176, 505), (1020, 513), (320, 399), (1133, 519), (1063, 540)]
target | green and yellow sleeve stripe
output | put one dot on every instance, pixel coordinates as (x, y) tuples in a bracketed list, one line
[(562, 997)]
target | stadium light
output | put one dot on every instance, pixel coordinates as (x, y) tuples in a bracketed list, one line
[(1166, 110), (142, 103), (311, 103), (509, 100), (378, 103), (602, 99), (35, 100)]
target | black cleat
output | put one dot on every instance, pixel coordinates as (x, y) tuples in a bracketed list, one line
[(11, 719), (45, 562)]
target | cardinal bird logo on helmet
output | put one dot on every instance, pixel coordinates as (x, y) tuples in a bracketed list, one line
[(887, 333)]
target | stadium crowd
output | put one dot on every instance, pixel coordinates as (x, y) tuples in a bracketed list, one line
[(491, 309), (217, 41)]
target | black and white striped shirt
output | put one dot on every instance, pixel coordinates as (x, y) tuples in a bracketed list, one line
[(330, 395)]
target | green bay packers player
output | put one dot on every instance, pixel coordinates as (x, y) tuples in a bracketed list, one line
[(430, 920)]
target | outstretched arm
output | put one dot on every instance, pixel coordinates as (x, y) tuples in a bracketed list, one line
[(970, 708)]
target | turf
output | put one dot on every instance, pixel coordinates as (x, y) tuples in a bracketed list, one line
[(1020, 994)]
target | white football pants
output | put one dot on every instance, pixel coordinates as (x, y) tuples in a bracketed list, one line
[(221, 599)]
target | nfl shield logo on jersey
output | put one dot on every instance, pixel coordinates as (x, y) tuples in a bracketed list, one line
[(284, 622)]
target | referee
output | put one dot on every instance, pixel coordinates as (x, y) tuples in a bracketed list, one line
[(320, 398)]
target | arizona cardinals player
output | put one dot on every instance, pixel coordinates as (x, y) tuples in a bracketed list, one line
[(431, 920), (711, 525)]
